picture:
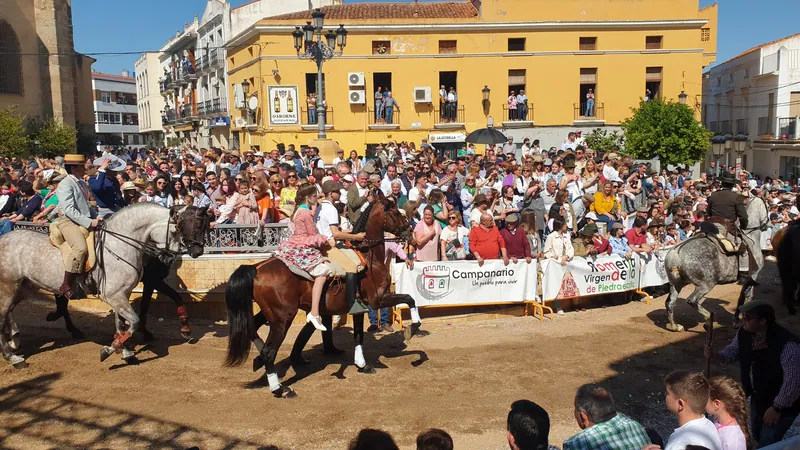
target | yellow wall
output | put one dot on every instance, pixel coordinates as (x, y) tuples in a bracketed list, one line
[(551, 59)]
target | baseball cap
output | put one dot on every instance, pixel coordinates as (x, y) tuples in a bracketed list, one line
[(331, 186)]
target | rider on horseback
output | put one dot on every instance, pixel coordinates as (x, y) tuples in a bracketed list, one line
[(76, 218), (729, 206)]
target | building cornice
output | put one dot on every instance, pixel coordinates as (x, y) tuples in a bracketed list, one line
[(257, 29), (479, 55)]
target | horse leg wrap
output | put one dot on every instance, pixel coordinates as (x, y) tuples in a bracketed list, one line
[(359, 357), (415, 315), (183, 315), (119, 340), (274, 382)]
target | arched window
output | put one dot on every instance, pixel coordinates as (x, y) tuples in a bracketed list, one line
[(10, 61)]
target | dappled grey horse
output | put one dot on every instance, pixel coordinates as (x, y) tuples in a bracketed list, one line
[(30, 262), (698, 261)]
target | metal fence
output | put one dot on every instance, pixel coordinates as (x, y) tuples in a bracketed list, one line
[(222, 238)]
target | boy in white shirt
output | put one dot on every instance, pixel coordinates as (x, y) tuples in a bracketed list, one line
[(687, 396)]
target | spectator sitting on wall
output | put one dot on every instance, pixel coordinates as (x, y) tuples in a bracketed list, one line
[(517, 244), (583, 244)]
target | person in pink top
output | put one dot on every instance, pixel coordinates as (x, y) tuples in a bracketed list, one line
[(303, 248), (244, 206), (426, 233)]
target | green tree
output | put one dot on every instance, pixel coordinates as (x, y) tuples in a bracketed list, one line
[(13, 136), (52, 138), (173, 141), (602, 141), (666, 131)]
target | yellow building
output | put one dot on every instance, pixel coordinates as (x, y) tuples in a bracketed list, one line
[(554, 50)]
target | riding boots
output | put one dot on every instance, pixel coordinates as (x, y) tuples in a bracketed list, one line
[(67, 288), (351, 287)]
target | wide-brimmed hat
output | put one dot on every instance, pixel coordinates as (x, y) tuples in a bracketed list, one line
[(569, 163), (128, 186), (589, 230), (590, 215), (655, 223), (617, 226), (512, 218), (287, 210), (74, 159), (728, 179), (115, 163)]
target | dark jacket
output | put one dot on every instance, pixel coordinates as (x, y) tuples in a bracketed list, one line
[(106, 192), (728, 205), (761, 371)]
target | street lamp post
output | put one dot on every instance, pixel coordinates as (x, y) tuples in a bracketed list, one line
[(739, 146), (319, 51), (718, 148)]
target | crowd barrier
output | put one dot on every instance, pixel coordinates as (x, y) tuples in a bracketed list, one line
[(466, 283)]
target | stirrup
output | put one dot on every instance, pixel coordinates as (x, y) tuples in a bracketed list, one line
[(310, 318)]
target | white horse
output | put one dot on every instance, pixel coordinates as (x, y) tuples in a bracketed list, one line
[(30, 262)]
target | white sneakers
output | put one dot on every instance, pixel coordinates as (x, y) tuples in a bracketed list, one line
[(315, 321)]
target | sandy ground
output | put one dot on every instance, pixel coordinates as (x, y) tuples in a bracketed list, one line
[(461, 378)]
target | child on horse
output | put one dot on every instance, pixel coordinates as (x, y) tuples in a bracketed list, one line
[(302, 249)]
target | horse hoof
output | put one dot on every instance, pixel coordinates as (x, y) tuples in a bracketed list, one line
[(105, 352), (367, 369), (408, 333), (284, 392), (18, 362), (131, 360), (147, 336), (674, 327), (418, 331), (187, 335), (258, 363), (53, 316)]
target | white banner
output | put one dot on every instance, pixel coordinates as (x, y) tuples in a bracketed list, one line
[(284, 106), (466, 283), (582, 277), (652, 266)]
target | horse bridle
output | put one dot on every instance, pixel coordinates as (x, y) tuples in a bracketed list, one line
[(150, 249)]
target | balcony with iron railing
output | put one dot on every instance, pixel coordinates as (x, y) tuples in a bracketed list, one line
[(585, 117), (308, 121), (201, 63), (384, 122), (169, 117), (514, 118), (219, 105), (204, 108), (788, 129), (451, 116), (188, 112)]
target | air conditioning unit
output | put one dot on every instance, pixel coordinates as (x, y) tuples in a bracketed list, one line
[(422, 95), (355, 79), (241, 122), (358, 97)]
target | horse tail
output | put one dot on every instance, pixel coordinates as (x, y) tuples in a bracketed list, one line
[(239, 301)]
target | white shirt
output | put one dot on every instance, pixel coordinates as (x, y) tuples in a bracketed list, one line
[(343, 196), (325, 217), (475, 216), (414, 194), (386, 186), (567, 145), (337, 160), (695, 432), (610, 173)]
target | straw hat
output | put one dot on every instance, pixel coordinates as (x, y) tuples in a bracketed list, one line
[(74, 159)]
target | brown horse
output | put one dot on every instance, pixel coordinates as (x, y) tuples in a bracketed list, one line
[(786, 246), (280, 294)]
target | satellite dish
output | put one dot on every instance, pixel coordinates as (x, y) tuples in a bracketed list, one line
[(252, 103)]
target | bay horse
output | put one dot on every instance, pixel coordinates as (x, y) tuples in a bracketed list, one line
[(30, 263), (698, 261), (280, 293), (786, 245)]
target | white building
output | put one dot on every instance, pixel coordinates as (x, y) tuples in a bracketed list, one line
[(150, 101), (757, 93), (193, 75), (115, 110)]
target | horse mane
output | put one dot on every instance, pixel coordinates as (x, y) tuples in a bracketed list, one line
[(122, 214), (361, 224)]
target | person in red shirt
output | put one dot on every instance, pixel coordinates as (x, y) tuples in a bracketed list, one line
[(517, 244), (601, 244), (637, 236), (485, 241)]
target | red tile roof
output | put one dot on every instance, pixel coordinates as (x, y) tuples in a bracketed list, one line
[(112, 76), (759, 47), (427, 10)]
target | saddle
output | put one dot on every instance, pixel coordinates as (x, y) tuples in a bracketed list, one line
[(723, 244), (334, 281), (58, 241)]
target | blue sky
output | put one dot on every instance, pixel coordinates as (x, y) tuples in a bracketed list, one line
[(136, 26)]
